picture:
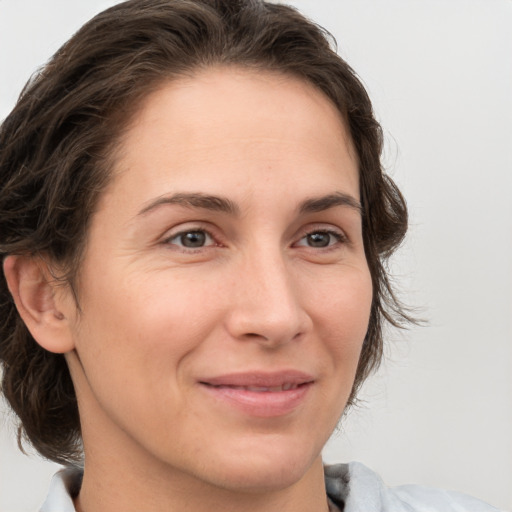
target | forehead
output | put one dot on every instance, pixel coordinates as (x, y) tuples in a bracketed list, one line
[(229, 123)]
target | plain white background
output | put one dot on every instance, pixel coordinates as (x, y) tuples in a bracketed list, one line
[(440, 74)]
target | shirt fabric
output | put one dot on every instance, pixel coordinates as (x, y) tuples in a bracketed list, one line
[(350, 487)]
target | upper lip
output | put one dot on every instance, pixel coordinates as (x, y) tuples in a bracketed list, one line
[(260, 379)]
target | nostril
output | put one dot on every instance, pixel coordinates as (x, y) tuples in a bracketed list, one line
[(253, 336)]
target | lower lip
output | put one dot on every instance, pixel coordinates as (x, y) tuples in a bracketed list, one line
[(262, 404)]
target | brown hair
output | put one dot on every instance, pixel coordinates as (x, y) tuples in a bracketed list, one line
[(56, 146)]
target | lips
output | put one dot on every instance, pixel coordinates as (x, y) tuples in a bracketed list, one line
[(260, 394), (264, 389), (261, 379)]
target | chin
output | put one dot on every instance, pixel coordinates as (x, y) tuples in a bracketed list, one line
[(263, 470), (256, 480)]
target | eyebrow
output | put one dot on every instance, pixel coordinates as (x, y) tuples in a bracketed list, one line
[(195, 200), (319, 204), (225, 205)]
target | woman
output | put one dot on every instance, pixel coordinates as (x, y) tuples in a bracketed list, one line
[(194, 223)]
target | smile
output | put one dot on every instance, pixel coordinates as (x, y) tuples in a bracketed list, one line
[(263, 395), (263, 389)]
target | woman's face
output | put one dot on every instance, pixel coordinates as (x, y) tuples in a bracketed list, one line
[(224, 291)]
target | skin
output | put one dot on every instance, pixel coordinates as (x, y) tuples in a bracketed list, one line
[(276, 282)]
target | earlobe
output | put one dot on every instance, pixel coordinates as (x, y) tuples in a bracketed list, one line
[(34, 291)]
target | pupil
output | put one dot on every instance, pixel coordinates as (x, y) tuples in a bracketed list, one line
[(318, 239), (193, 239)]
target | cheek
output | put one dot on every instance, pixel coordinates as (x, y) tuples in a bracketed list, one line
[(146, 323), (341, 313), (344, 301), (133, 344), (341, 316), (177, 313)]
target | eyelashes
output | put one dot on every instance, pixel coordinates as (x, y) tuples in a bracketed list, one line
[(196, 239), (321, 238), (192, 239)]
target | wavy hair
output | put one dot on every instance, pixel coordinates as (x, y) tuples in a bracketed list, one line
[(56, 150)]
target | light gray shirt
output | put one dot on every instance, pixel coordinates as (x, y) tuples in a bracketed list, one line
[(351, 487)]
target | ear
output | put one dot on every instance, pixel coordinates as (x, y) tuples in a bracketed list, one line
[(41, 302)]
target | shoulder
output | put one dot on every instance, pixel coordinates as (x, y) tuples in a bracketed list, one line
[(359, 489)]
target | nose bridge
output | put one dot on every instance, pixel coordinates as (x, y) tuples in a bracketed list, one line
[(267, 305)]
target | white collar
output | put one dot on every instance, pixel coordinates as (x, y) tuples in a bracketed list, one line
[(353, 487)]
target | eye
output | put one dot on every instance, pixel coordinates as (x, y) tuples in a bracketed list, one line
[(321, 239), (192, 239)]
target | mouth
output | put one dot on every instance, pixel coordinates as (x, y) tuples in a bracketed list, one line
[(261, 381), (259, 389), (260, 394)]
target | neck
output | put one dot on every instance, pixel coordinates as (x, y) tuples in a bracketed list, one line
[(120, 486)]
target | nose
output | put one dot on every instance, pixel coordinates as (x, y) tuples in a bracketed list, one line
[(267, 305)]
